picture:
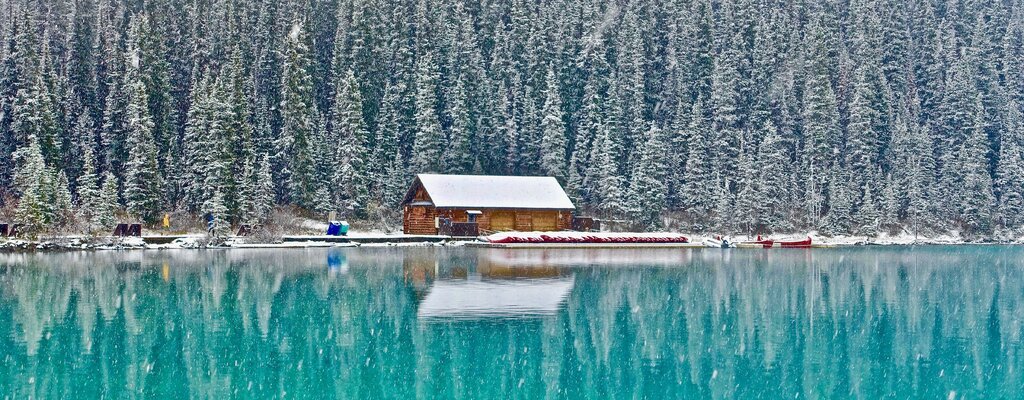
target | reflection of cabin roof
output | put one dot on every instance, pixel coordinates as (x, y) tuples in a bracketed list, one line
[(460, 299), (487, 191)]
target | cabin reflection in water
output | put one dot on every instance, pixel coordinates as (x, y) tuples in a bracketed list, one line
[(485, 286)]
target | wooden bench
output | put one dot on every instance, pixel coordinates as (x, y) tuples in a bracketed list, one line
[(124, 230)]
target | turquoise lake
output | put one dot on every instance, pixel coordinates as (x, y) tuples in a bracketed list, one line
[(365, 323)]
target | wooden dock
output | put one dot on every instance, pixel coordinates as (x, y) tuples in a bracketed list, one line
[(368, 239)]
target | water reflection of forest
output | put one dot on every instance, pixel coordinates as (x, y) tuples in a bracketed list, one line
[(656, 323)]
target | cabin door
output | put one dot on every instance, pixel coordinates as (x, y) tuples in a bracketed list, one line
[(545, 221), (503, 221)]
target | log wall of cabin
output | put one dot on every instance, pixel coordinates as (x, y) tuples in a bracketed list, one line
[(524, 219), (419, 220)]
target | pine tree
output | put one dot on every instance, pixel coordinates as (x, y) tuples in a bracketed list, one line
[(88, 187), (725, 203), (293, 164), (35, 114), (1010, 172), (219, 228), (142, 177), (698, 192), (609, 185), (748, 195), (349, 159), (553, 142), (459, 156), (263, 195), (888, 207), (976, 205), (580, 184), (868, 217), (820, 123), (106, 207), (838, 218), (429, 145), (387, 152), (32, 180), (63, 209), (724, 108), (647, 191), (775, 173)]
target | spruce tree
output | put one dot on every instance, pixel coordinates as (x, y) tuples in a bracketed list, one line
[(698, 190), (88, 187), (214, 207), (429, 144), (459, 155), (33, 183), (63, 209), (1010, 172), (647, 191), (609, 185), (263, 195), (580, 183), (350, 157), (142, 192), (820, 123), (838, 217), (104, 216), (553, 142), (293, 164), (976, 205), (774, 172), (748, 194), (868, 217)]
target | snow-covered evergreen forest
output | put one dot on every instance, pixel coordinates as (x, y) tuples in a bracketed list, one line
[(848, 116)]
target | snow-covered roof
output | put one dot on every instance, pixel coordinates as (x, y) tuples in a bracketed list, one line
[(517, 298), (488, 191)]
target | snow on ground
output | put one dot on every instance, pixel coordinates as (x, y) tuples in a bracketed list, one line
[(313, 224)]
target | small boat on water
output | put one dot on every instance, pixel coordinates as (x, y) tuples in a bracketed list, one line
[(718, 242), (796, 244)]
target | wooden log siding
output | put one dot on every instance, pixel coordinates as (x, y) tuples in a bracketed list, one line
[(420, 220)]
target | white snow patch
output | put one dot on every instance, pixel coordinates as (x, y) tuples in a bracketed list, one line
[(486, 191)]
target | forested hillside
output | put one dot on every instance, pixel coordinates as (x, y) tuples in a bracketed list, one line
[(857, 116)]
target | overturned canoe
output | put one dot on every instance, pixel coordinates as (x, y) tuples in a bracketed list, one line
[(795, 244)]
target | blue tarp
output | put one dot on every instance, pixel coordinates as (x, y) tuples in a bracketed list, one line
[(337, 228)]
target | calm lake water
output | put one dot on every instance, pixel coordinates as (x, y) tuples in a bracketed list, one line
[(901, 322)]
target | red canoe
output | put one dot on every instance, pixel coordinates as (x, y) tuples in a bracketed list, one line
[(805, 243)]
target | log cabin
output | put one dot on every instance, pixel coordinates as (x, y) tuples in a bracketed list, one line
[(494, 203)]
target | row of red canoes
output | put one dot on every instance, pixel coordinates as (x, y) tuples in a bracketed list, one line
[(589, 239), (614, 239), (769, 243)]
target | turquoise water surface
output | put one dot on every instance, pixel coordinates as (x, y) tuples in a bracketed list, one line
[(363, 323)]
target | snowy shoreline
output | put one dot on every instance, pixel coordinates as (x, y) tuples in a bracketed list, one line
[(79, 243)]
